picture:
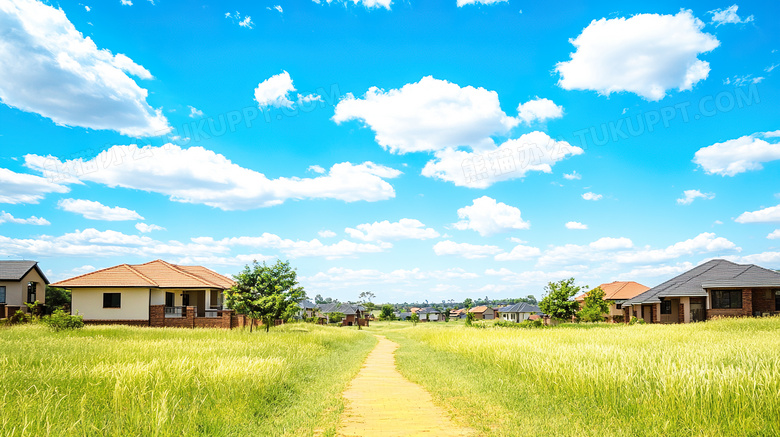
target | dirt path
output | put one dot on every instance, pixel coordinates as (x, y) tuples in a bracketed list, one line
[(381, 402)]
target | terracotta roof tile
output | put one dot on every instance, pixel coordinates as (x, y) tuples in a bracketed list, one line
[(156, 273), (619, 290)]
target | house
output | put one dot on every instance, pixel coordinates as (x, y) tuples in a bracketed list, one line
[(483, 312), (458, 313), (717, 288), (353, 314), (404, 315), (519, 312), (156, 294), (20, 282), (414, 309), (306, 309), (430, 314), (616, 293)]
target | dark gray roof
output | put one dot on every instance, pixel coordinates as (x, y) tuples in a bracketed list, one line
[(404, 315), (15, 270), (343, 308), (717, 273), (521, 307), (306, 304), (428, 310)]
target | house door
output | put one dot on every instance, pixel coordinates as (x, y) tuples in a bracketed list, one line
[(169, 298), (697, 310), (647, 314), (185, 300)]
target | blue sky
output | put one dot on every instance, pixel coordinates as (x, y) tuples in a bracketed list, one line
[(419, 150)]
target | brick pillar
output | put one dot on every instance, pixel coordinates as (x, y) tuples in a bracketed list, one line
[(227, 316), (190, 316), (654, 314), (157, 316), (681, 314), (747, 302)]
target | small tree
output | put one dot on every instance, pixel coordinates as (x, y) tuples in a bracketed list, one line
[(387, 312), (467, 302), (336, 317), (469, 318), (57, 297), (265, 292), (557, 301), (446, 315), (594, 306), (414, 318)]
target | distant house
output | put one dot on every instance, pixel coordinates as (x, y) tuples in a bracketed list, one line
[(617, 293), (20, 282), (414, 309), (430, 314), (404, 315), (458, 313), (717, 288), (519, 312), (353, 314), (483, 312), (156, 293), (306, 309)]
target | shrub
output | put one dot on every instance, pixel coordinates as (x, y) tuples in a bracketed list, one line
[(60, 320), (469, 319), (19, 318)]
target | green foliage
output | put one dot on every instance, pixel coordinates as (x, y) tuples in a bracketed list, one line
[(467, 302), (594, 307), (635, 321), (266, 293), (336, 317), (387, 312), (557, 302), (469, 318), (414, 318), (60, 320), (19, 318), (57, 297)]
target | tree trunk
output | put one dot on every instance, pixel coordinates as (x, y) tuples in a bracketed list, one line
[(251, 324)]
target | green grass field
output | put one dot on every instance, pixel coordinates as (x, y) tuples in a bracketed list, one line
[(720, 378), (123, 381)]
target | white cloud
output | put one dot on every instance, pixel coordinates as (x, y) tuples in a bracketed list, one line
[(367, 3), (647, 54), (576, 225), (195, 113), (705, 242), (745, 79), (144, 228), (539, 110), (298, 248), (429, 115), (384, 230), (534, 151), (487, 216), (87, 8), (728, 16), (462, 3), (519, 252), (97, 211), (610, 243), (652, 271), (341, 277), (572, 176), (592, 196), (600, 250), (317, 169), (766, 215), (465, 250), (126, 2), (49, 68), (327, 233), (6, 217), (25, 188), (736, 156), (212, 260), (273, 91), (246, 22), (690, 195), (198, 175), (774, 235), (763, 259), (532, 278), (278, 8)]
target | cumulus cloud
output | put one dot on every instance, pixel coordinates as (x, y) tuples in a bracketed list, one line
[(298, 248), (317, 169), (519, 253), (145, 229), (539, 110), (592, 196), (487, 216), (26, 188), (576, 225), (341, 277), (369, 4), (774, 235), (572, 176), (428, 115), (462, 3), (246, 21), (740, 155), (201, 176), (513, 159), (647, 54), (385, 230), (6, 217), (706, 242), (690, 195), (97, 211), (465, 250), (195, 113), (728, 16), (273, 91), (49, 68), (327, 233), (766, 215)]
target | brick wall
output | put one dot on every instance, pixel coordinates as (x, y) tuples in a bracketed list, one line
[(681, 313), (746, 310), (655, 316), (764, 301), (117, 322)]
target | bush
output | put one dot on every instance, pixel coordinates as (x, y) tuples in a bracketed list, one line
[(19, 318), (469, 319), (60, 320), (634, 321)]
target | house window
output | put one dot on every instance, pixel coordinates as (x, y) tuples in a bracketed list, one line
[(2, 294), (666, 307), (31, 292), (726, 299), (112, 300), (169, 299), (618, 306)]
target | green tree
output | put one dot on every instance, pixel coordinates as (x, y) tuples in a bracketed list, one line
[(469, 319), (594, 306), (265, 292), (557, 302), (57, 297), (336, 317), (367, 296), (414, 318), (387, 312), (531, 299), (467, 302)]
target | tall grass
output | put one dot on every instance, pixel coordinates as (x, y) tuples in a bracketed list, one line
[(719, 378), (121, 381)]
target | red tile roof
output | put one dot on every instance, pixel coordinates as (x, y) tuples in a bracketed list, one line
[(156, 273), (619, 290)]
